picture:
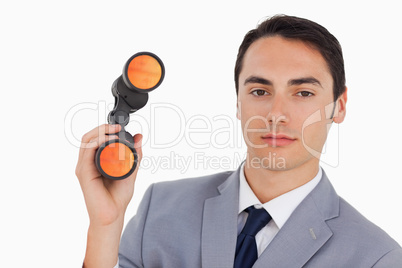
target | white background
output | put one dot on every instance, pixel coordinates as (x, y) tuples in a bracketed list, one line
[(58, 57)]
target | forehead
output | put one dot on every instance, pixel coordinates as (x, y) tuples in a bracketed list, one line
[(283, 58)]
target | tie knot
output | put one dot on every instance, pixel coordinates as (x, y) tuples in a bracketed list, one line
[(257, 219)]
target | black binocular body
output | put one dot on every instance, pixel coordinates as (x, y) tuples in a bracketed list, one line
[(143, 72)]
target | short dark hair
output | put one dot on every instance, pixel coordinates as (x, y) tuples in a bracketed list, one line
[(290, 27)]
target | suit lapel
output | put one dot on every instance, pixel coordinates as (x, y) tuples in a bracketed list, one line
[(219, 229), (304, 233), (306, 230)]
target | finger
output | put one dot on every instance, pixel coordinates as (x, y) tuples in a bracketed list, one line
[(98, 141), (100, 131), (89, 152), (86, 160), (138, 147), (138, 140), (138, 144), (96, 132)]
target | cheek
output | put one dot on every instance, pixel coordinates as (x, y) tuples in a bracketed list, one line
[(312, 129), (253, 116), (314, 135), (254, 124), (307, 118)]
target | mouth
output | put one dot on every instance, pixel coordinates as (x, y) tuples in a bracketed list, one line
[(278, 140)]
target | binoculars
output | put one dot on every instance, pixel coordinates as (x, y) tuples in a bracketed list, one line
[(143, 72)]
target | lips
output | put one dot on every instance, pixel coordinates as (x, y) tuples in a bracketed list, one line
[(278, 140)]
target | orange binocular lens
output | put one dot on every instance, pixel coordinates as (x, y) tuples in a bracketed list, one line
[(116, 159), (144, 71)]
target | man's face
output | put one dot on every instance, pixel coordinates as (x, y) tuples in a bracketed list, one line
[(285, 102)]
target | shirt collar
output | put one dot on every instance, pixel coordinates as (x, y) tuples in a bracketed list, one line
[(281, 207)]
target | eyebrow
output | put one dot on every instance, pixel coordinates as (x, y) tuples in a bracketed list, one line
[(304, 80), (292, 82), (257, 80)]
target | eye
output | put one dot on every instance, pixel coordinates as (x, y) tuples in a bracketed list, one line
[(305, 94), (259, 92)]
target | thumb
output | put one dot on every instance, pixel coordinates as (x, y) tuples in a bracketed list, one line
[(138, 145)]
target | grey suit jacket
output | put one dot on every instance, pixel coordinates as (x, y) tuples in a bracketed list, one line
[(193, 223)]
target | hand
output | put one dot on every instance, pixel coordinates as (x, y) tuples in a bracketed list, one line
[(106, 199)]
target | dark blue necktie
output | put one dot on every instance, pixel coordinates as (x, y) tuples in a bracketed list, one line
[(246, 247)]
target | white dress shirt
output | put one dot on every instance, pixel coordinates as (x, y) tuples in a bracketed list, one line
[(280, 208)]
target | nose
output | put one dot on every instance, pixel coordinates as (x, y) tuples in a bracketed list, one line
[(278, 114)]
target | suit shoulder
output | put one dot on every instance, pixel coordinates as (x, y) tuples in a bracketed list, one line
[(213, 180), (353, 224), (203, 186)]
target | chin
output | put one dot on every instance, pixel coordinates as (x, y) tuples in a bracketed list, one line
[(268, 160), (277, 159)]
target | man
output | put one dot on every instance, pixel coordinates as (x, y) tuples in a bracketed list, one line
[(290, 85)]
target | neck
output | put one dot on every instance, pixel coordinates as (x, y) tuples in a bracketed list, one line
[(268, 184)]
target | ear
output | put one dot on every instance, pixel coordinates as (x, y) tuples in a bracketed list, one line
[(340, 109), (238, 110)]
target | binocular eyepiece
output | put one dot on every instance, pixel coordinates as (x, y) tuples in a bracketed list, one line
[(143, 72)]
